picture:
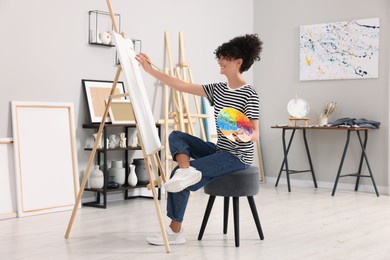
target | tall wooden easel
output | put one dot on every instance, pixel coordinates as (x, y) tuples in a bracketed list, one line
[(177, 113), (184, 72), (152, 158), (174, 117)]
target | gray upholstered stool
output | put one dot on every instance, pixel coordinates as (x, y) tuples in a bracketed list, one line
[(236, 184)]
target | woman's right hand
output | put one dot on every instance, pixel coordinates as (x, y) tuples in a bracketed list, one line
[(144, 61), (164, 78)]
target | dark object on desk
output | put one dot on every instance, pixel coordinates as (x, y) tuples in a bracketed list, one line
[(353, 122)]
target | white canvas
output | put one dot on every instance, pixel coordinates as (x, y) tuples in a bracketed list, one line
[(7, 180), (45, 157), (135, 87), (341, 50)]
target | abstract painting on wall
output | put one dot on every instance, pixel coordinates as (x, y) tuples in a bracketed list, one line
[(341, 50)]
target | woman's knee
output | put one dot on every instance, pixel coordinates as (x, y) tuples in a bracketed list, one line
[(174, 135)]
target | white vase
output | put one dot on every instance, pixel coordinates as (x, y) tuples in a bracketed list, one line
[(117, 173), (141, 172), (323, 121), (96, 178), (132, 179)]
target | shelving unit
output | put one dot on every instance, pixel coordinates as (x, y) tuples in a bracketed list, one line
[(100, 22), (101, 157)]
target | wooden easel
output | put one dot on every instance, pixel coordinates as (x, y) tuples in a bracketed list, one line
[(152, 159), (184, 72), (180, 116), (260, 158), (294, 121), (176, 117)]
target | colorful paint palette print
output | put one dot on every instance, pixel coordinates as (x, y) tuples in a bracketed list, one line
[(233, 123)]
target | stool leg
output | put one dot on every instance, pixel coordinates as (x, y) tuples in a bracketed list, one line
[(236, 221), (255, 216), (225, 214), (210, 204)]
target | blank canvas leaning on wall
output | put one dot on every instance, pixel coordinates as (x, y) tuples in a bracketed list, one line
[(7, 180), (45, 157), (135, 87)]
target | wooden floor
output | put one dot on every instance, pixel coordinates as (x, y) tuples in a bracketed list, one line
[(307, 223)]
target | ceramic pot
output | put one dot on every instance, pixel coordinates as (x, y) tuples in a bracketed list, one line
[(140, 171), (96, 178), (117, 173), (105, 37), (323, 121), (132, 178)]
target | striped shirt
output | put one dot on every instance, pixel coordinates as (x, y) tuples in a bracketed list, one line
[(244, 99)]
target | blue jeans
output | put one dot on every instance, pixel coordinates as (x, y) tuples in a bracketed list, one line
[(206, 159)]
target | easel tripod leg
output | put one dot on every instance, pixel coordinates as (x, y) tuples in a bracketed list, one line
[(158, 209), (260, 158), (92, 155)]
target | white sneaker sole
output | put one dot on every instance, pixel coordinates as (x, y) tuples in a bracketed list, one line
[(161, 242), (157, 240), (179, 185)]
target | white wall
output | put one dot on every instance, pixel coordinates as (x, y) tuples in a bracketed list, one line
[(45, 53), (277, 79)]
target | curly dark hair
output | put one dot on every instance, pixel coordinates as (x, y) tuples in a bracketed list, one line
[(247, 47)]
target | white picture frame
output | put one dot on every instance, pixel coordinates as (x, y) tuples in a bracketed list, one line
[(46, 170)]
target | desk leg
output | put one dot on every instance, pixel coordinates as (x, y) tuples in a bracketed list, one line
[(363, 145), (341, 163), (285, 152), (309, 158)]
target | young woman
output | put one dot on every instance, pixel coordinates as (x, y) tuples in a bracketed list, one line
[(200, 162)]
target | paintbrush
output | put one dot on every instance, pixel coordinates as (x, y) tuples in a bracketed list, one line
[(151, 64)]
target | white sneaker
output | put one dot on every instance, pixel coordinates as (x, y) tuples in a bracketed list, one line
[(173, 238), (183, 178)]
